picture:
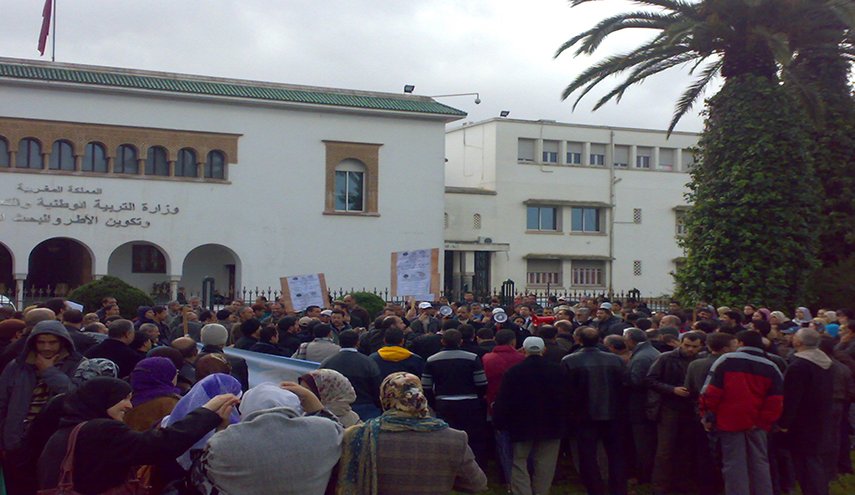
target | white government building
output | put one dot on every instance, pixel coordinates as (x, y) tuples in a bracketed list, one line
[(163, 179)]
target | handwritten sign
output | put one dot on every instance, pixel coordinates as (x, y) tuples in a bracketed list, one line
[(97, 212), (415, 273), (301, 291)]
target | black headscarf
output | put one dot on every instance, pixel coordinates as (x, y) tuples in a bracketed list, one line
[(92, 399)]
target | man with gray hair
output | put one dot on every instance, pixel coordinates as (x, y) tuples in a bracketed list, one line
[(808, 396)]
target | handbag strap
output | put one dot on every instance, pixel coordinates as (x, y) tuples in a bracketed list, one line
[(66, 470)]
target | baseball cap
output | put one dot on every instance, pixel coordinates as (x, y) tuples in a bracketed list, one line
[(533, 344), (425, 305), (305, 321), (497, 310), (606, 306), (327, 312)]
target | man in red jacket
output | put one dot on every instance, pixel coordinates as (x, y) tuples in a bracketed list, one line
[(742, 399)]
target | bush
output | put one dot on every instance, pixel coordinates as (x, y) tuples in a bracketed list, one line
[(129, 298), (834, 287), (372, 303)]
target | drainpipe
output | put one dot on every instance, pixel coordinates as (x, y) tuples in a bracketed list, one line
[(612, 212)]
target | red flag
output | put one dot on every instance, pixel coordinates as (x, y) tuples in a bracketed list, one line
[(46, 12)]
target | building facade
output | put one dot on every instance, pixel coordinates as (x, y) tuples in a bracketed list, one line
[(165, 179), (564, 207)]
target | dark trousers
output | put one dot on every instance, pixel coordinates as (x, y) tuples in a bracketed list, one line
[(469, 415), (676, 447), (810, 473), (588, 435), (20, 477), (644, 442), (844, 460)]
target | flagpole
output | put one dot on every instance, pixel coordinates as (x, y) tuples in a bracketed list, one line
[(53, 37)]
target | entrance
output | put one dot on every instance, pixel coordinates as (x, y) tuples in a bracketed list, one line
[(58, 266)]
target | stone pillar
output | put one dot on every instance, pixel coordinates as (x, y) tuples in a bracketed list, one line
[(19, 290), (173, 287)]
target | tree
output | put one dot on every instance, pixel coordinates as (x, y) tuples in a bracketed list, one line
[(127, 297), (755, 142)]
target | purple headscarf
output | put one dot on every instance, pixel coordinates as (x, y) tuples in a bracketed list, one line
[(152, 378), (203, 391)]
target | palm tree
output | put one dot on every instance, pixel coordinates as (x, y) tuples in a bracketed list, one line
[(724, 38)]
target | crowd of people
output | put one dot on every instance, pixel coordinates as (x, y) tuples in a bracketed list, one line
[(424, 396)]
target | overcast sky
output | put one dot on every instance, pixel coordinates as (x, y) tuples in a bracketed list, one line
[(502, 49)]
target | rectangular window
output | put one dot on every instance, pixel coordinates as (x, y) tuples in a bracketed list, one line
[(598, 154), (349, 191), (585, 220), (543, 272), (688, 159), (525, 150), (574, 153), (643, 157), (588, 273), (666, 158), (541, 218), (147, 259), (550, 151), (621, 156), (681, 229)]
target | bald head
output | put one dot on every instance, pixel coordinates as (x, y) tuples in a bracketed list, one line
[(589, 336), (806, 338), (670, 321), (37, 315), (187, 347)]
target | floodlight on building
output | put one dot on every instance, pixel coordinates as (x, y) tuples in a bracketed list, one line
[(408, 88), (504, 113)]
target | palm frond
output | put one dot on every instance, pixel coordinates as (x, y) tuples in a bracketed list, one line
[(641, 73), (594, 37), (693, 92)]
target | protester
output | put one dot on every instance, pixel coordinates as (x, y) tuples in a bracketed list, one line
[(214, 338), (393, 357), (155, 393), (335, 393), (362, 372), (285, 443), (106, 448), (117, 347), (404, 451), (643, 429)]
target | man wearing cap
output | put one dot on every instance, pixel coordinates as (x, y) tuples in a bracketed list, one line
[(531, 407), (325, 316), (499, 320), (306, 323), (607, 323), (426, 322), (214, 337), (595, 391)]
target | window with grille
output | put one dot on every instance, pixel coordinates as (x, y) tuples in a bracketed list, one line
[(636, 215), (588, 273), (476, 221), (543, 272), (636, 268)]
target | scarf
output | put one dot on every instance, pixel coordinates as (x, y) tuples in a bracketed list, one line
[(152, 378), (406, 410), (335, 392)]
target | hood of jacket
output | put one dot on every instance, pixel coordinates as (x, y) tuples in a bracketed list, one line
[(816, 357), (49, 327), (394, 353)]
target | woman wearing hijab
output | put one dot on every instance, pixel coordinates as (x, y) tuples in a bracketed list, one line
[(285, 443), (144, 315), (47, 421), (803, 316), (388, 454), (153, 381), (107, 448), (335, 393)]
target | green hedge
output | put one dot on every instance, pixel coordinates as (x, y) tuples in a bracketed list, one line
[(372, 303), (129, 298)]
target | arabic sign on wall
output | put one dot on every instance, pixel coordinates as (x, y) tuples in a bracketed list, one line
[(44, 206)]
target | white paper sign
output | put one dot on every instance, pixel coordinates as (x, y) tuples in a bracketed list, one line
[(306, 291), (414, 272)]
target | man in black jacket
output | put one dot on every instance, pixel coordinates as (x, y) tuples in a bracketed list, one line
[(116, 348), (595, 388), (362, 372), (643, 354), (531, 407), (268, 340), (609, 324), (288, 340), (808, 400), (670, 406)]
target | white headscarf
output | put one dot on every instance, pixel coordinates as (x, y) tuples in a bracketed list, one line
[(268, 396)]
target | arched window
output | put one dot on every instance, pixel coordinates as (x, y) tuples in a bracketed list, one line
[(185, 165), (126, 161), (94, 158), (476, 221), (155, 162), (61, 156), (4, 152), (215, 165), (350, 186), (29, 154)]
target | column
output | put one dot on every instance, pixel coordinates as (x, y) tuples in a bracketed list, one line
[(633, 156), (678, 160), (173, 287), (562, 152), (655, 159), (19, 290), (538, 151), (586, 153)]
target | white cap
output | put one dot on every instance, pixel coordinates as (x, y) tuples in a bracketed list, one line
[(606, 306), (326, 312), (533, 344), (498, 310), (425, 305)]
